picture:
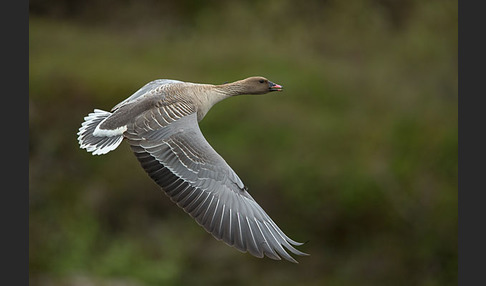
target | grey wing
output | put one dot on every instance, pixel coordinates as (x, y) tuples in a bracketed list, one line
[(144, 90), (180, 160)]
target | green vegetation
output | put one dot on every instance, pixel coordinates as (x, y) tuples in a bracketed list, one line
[(358, 155)]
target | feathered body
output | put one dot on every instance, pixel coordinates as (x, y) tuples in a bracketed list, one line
[(160, 122)]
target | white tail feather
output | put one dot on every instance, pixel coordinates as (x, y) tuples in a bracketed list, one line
[(98, 145)]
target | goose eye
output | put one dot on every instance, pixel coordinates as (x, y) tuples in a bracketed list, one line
[(261, 81)]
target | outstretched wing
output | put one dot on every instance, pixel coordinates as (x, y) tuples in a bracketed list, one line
[(171, 148)]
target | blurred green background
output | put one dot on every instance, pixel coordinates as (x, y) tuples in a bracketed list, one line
[(357, 157)]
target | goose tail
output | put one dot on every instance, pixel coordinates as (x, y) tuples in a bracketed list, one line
[(96, 142)]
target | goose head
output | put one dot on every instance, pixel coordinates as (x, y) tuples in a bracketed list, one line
[(251, 85), (258, 85)]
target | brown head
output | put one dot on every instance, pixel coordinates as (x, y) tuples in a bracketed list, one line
[(252, 85)]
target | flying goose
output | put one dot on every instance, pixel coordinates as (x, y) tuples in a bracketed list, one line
[(160, 122)]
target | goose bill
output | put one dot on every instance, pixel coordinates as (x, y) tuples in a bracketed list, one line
[(274, 87)]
